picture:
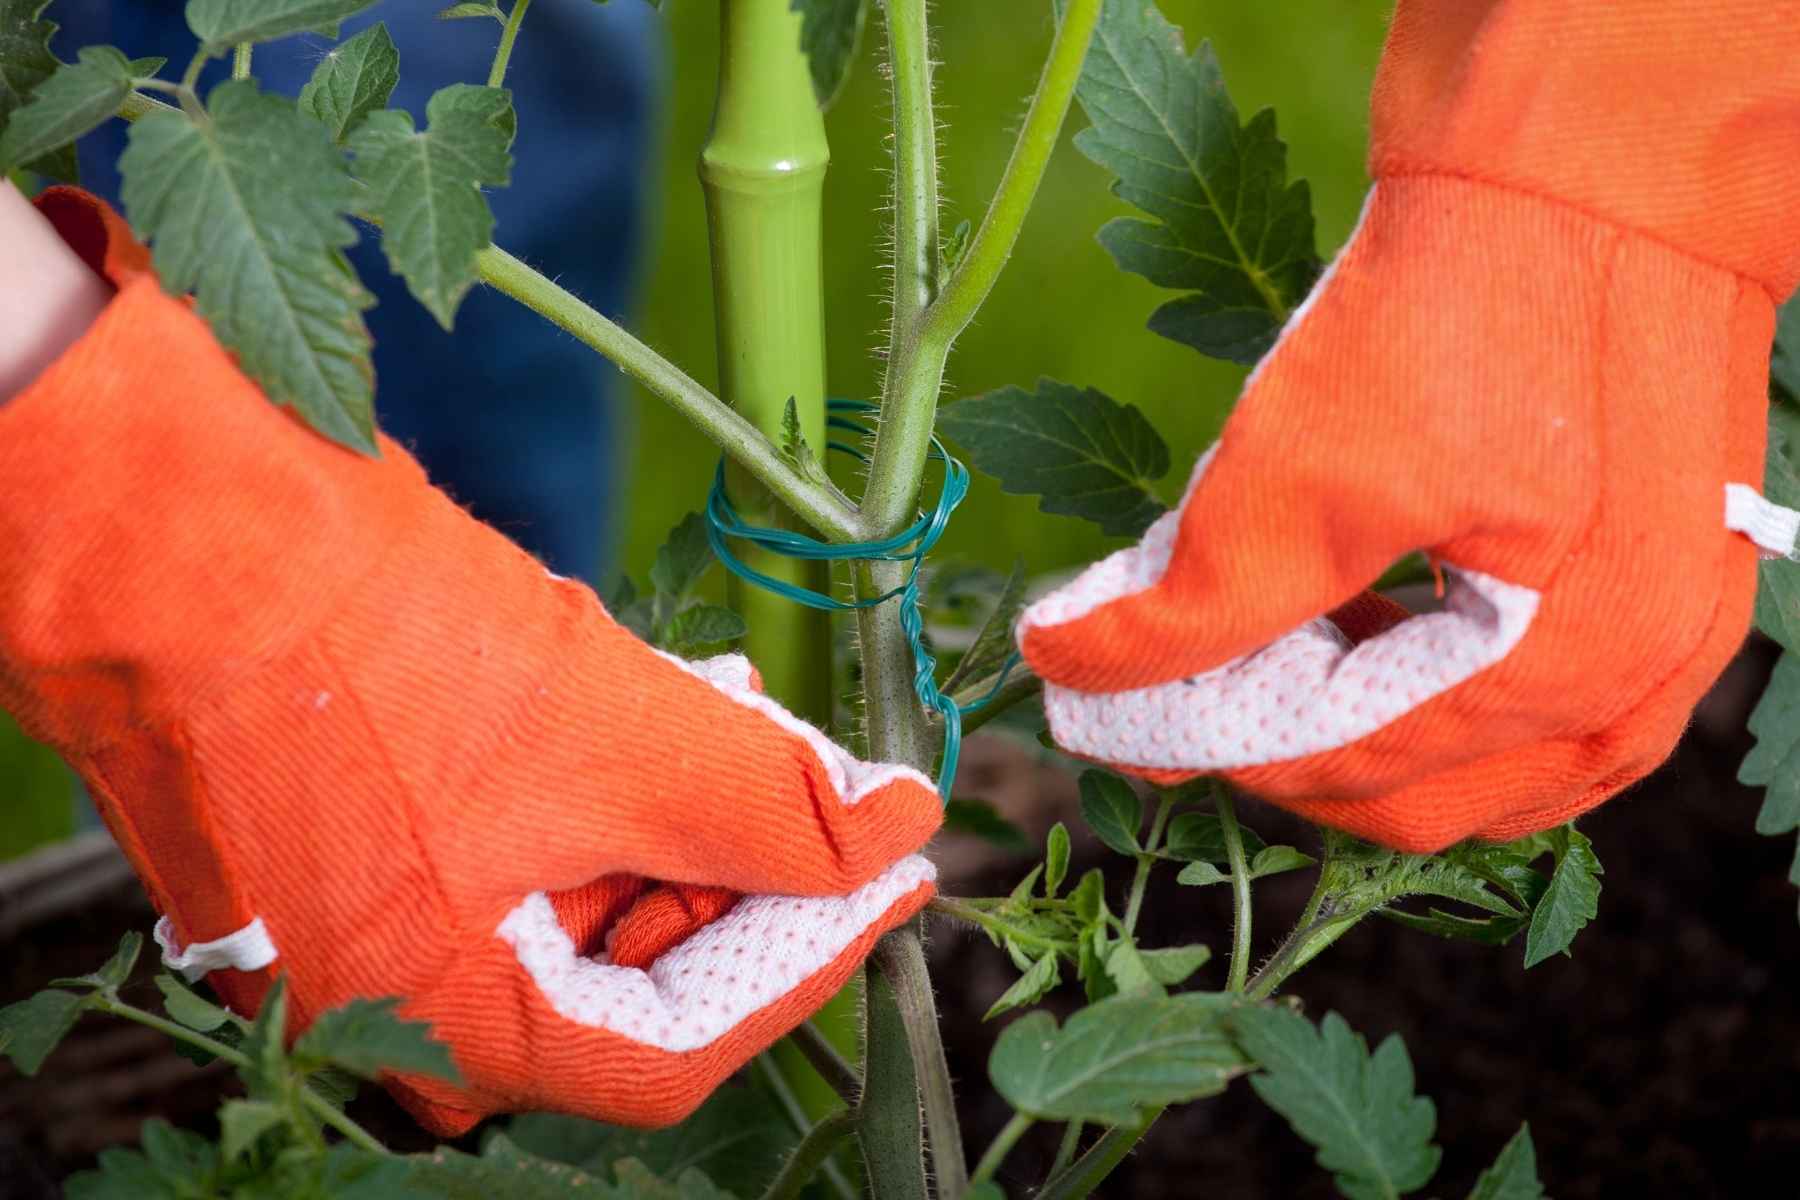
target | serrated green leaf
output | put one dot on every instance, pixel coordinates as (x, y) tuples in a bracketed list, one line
[(994, 645), (1056, 859), (703, 627), (502, 1170), (1358, 1109), (264, 1044), (1126, 967), (425, 188), (75, 100), (1514, 1174), (1274, 860), (241, 1122), (829, 33), (1202, 874), (1784, 363), (1229, 230), (223, 23), (174, 1165), (1571, 900), (1022, 890), (1112, 810), (1114, 1058), (32, 1028), (1778, 579), (1774, 762), (354, 80), (736, 1135), (978, 817), (187, 1008), (1081, 452), (1199, 837), (115, 970), (246, 210), (1029, 988), (25, 58), (682, 560), (366, 1037), (462, 12), (1172, 965), (794, 450)]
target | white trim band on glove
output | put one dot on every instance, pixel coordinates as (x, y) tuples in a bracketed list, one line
[(1772, 527), (246, 949)]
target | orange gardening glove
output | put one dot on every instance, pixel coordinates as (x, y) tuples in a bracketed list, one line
[(1542, 359), (348, 734)]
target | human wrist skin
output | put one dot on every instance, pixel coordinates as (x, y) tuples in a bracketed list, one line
[(48, 295)]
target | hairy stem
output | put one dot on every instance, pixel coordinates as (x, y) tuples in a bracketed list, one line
[(1065, 1152), (832, 1066), (901, 957), (822, 507), (993, 242), (810, 1155), (240, 61), (1165, 800), (1240, 888), (316, 1104), (1103, 1157), (1002, 1145), (509, 35), (892, 1148)]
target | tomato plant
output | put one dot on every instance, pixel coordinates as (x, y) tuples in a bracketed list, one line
[(257, 237)]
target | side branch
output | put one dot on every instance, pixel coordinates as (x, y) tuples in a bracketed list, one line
[(993, 243), (819, 506)]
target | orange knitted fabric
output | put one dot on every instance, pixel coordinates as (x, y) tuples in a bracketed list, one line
[(347, 733), (1541, 358)]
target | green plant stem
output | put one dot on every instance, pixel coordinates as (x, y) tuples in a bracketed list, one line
[(917, 350), (240, 61), (823, 508), (900, 955), (892, 1145), (963, 910), (810, 1155), (1020, 686), (1165, 800), (795, 1112), (1065, 1152), (1000, 1147), (1103, 1157), (315, 1103), (825, 1058), (992, 245), (1240, 888), (1318, 927), (508, 35)]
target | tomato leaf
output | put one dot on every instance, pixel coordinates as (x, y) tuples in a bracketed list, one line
[(1514, 1173), (32, 1028), (1358, 1109), (424, 188), (247, 210), (1115, 1058), (1112, 810), (830, 31), (74, 101), (1571, 900), (223, 23), (365, 1037), (1080, 452), (353, 81), (1228, 229)]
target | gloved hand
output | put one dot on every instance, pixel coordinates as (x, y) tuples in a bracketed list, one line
[(348, 734), (1542, 358)]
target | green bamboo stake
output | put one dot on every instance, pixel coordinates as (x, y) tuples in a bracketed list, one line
[(763, 169), (764, 173)]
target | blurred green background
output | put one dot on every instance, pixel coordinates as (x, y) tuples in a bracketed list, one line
[(1061, 308)]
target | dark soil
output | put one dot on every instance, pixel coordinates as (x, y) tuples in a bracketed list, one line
[(1663, 1059)]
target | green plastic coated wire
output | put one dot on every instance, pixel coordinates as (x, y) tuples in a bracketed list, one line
[(910, 545)]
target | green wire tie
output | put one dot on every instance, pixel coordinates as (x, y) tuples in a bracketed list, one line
[(910, 545)]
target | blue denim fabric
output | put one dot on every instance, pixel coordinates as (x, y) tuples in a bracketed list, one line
[(511, 416)]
